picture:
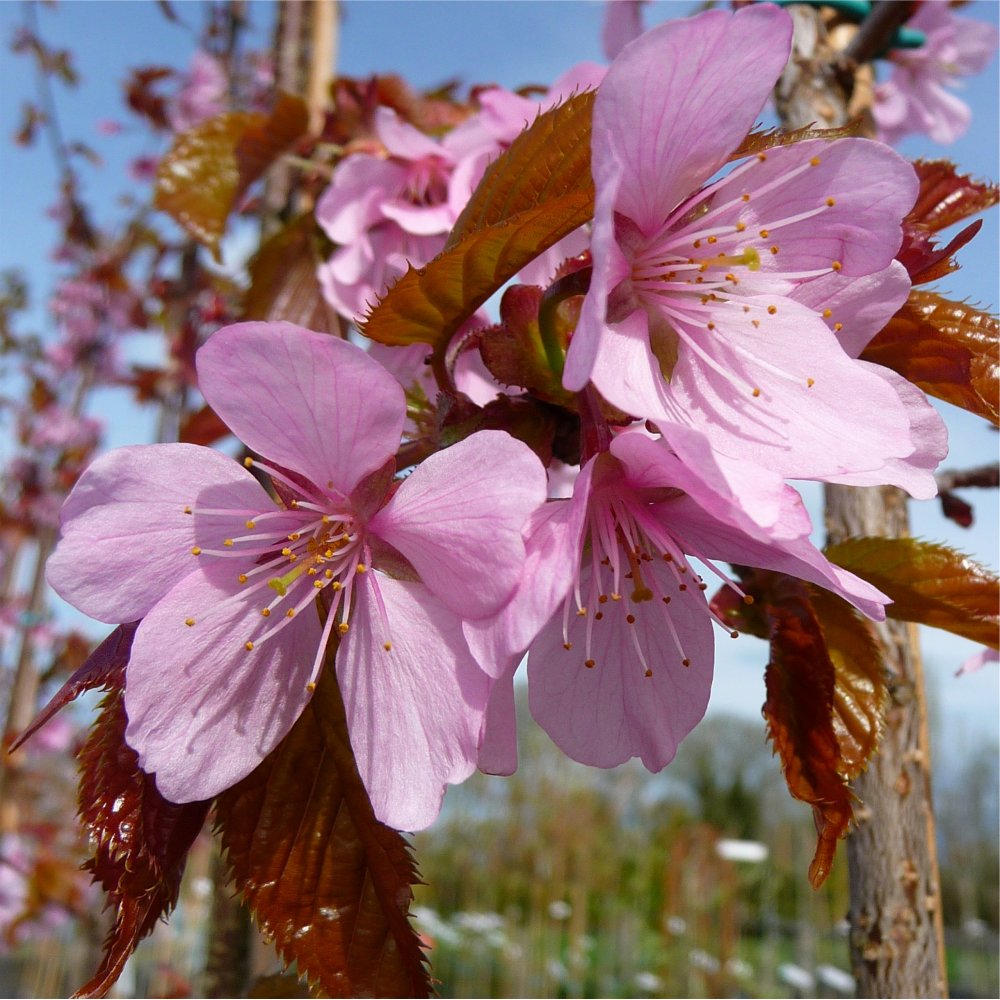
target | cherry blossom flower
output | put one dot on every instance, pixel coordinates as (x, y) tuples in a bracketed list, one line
[(227, 582), (705, 307), (389, 211), (977, 661), (620, 637), (917, 95), (202, 94)]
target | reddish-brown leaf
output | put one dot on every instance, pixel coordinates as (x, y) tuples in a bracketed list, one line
[(536, 193), (800, 681), (947, 197), (949, 349), (209, 167), (320, 874), (760, 142), (202, 427), (928, 583), (104, 668), (141, 839), (283, 282)]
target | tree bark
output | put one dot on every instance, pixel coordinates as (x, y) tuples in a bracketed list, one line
[(897, 936)]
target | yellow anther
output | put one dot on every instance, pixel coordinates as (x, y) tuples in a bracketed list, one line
[(581, 612), (836, 265), (294, 536), (762, 157), (228, 543), (713, 239), (248, 462), (318, 584), (187, 510), (312, 571), (756, 393), (589, 664), (251, 525), (290, 613), (195, 551), (746, 309), (830, 202), (838, 327), (242, 578), (189, 622), (710, 326), (387, 646), (567, 645), (696, 245), (362, 568), (771, 310), (764, 233), (774, 250), (294, 504), (810, 382), (328, 573), (827, 313), (740, 226), (336, 585), (745, 197), (265, 612), (616, 597), (748, 599), (343, 628), (814, 162), (755, 323), (649, 673), (248, 645), (310, 686)]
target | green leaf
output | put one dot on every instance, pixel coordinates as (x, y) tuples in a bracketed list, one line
[(950, 349), (930, 584), (320, 874), (536, 193), (210, 167)]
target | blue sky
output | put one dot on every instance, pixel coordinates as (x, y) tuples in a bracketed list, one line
[(510, 43)]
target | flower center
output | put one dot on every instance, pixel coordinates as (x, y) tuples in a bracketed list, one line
[(313, 549), (636, 571)]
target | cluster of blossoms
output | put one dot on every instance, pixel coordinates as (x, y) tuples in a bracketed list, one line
[(725, 313)]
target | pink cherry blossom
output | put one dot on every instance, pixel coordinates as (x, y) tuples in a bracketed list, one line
[(917, 96), (977, 661), (202, 93), (227, 582), (392, 210), (711, 304), (613, 615)]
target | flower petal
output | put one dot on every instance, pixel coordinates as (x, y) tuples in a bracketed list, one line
[(784, 395), (498, 738), (608, 713), (458, 520), (414, 712), (681, 98), (308, 401), (203, 710), (707, 538), (126, 540)]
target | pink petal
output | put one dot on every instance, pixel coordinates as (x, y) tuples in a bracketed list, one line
[(860, 306), (353, 201), (703, 536), (458, 520), (622, 24), (929, 435), (553, 541), (310, 402), (680, 99), (606, 714), (405, 140), (861, 230), (126, 540), (203, 710), (415, 712), (498, 739), (805, 423)]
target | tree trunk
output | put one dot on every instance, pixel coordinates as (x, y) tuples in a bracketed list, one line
[(897, 937)]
